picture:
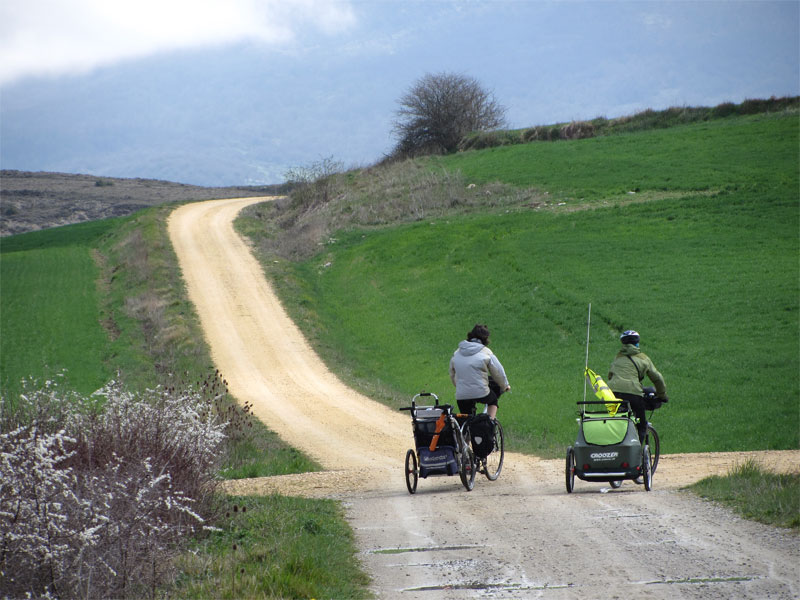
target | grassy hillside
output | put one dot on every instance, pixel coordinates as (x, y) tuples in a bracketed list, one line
[(755, 151), (701, 258)]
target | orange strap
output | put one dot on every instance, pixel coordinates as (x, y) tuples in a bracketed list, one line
[(439, 426)]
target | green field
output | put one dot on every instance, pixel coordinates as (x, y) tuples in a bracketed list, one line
[(702, 260), (49, 321), (93, 301)]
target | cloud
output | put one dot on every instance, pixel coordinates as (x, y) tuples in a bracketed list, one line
[(52, 37)]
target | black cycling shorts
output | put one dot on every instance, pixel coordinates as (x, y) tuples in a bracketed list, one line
[(468, 406)]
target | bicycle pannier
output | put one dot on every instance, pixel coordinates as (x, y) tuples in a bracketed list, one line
[(482, 429)]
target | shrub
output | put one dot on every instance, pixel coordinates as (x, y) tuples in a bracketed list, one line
[(530, 134), (314, 185), (577, 130), (753, 106), (95, 493), (488, 139), (542, 133), (726, 109)]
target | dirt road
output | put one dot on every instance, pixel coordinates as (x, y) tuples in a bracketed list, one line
[(519, 537)]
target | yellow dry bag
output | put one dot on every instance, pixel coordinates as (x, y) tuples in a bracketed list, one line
[(602, 391)]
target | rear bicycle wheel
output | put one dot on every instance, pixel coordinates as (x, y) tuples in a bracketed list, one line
[(494, 462), (647, 469), (412, 472), (654, 445), (467, 463)]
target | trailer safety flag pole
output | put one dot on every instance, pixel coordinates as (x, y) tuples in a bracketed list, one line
[(586, 365)]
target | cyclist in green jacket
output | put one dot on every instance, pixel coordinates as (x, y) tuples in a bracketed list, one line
[(625, 376)]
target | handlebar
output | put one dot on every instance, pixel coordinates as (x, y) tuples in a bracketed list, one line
[(425, 395), (421, 395)]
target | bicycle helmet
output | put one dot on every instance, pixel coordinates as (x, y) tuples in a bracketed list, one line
[(629, 337)]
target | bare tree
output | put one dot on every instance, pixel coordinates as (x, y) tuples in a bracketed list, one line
[(314, 184), (440, 109)]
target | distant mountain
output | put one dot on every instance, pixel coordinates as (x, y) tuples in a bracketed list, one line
[(215, 120)]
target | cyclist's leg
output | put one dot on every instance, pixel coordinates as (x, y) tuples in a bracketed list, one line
[(637, 407), (491, 404), (466, 407)]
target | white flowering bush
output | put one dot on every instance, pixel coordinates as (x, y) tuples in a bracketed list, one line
[(95, 496)]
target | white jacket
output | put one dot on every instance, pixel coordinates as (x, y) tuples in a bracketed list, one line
[(470, 367)]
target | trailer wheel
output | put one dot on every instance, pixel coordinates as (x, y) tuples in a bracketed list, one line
[(570, 470), (412, 475)]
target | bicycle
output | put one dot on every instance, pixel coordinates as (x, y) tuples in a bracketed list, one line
[(651, 440), (491, 463)]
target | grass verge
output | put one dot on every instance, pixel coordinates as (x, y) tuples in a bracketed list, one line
[(756, 494), (274, 547), (145, 303)]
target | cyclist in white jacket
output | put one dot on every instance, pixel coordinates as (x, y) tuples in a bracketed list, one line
[(472, 368)]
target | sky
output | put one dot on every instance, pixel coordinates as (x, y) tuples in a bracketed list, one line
[(238, 92)]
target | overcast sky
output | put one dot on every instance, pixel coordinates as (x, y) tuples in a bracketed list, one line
[(55, 37), (332, 71)]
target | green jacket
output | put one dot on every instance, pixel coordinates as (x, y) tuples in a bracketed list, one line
[(624, 377)]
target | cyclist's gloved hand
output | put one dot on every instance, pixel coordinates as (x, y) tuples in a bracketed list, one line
[(664, 399)]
